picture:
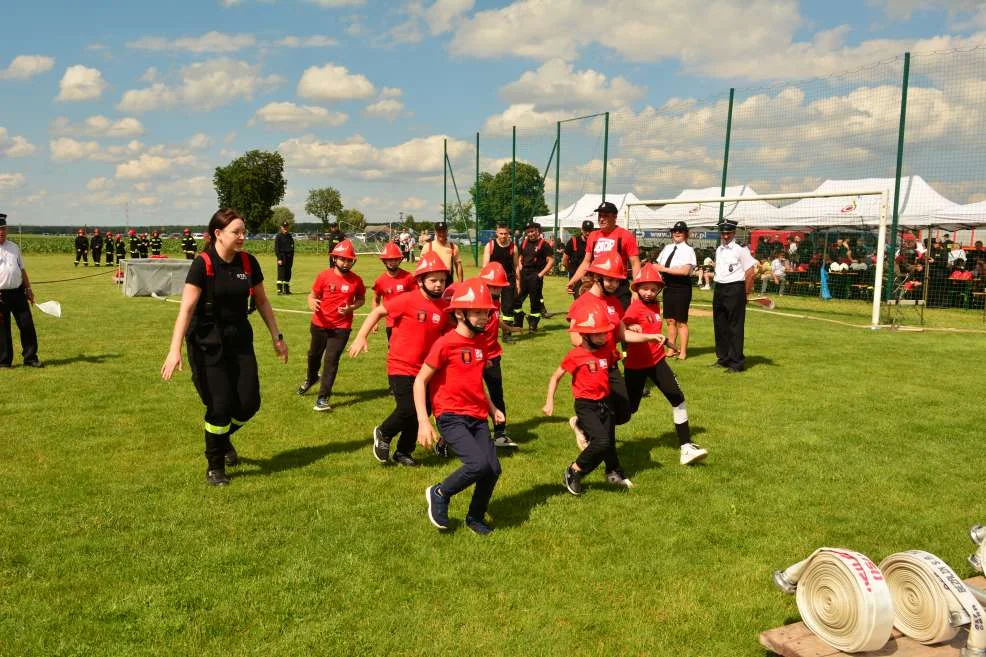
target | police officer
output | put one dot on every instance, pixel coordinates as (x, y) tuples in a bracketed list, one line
[(284, 252), (503, 250), (81, 248), (110, 247), (143, 245), (220, 285), (675, 264), (134, 246), (16, 298), (96, 246), (735, 269), (536, 260), (188, 244), (574, 252), (155, 243)]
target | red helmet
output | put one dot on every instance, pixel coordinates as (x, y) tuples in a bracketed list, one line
[(609, 264), (344, 249), (132, 232), (494, 275), (391, 252), (429, 263), (186, 231), (449, 292), (587, 320), (647, 274), (471, 294)]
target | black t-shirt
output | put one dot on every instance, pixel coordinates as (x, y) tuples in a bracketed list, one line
[(534, 255), (283, 245), (575, 249), (231, 289), (505, 256)]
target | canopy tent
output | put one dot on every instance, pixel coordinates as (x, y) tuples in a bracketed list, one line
[(919, 203), (703, 215), (961, 216), (585, 208)]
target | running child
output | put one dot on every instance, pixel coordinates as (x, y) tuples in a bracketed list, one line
[(391, 282), (495, 278)]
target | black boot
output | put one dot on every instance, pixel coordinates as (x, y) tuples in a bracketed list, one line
[(287, 288), (215, 453), (280, 289), (519, 319)]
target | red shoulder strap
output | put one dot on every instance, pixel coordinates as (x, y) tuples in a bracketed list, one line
[(209, 271), (523, 244), (247, 269)]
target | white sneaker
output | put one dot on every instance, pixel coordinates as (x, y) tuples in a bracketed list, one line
[(580, 438), (617, 478), (705, 287), (692, 453)]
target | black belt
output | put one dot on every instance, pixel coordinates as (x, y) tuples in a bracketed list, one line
[(733, 283)]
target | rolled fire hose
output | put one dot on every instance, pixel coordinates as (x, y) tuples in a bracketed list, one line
[(842, 597), (978, 535), (931, 602)]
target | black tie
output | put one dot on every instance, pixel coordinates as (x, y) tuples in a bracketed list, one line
[(667, 263)]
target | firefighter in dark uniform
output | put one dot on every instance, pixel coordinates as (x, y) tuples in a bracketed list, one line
[(121, 249), (155, 243), (188, 244), (134, 246), (503, 250), (735, 269), (213, 319), (536, 260), (284, 252), (96, 246), (110, 247), (143, 245), (575, 253), (82, 248), (335, 235)]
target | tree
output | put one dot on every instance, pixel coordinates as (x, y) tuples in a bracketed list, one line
[(352, 218), (324, 203), (280, 215), (251, 184), (459, 216), (495, 196)]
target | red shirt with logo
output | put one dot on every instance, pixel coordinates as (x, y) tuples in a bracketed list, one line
[(607, 306), (619, 239), (644, 355), (489, 337), (589, 370), (387, 286), (334, 290), (457, 386), (418, 321)]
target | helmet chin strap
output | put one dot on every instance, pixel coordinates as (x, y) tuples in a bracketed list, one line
[(392, 267), (433, 295), (472, 327)]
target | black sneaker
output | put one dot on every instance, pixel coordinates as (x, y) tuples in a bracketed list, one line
[(573, 481), (442, 450), (381, 446), (437, 507), (478, 526), (322, 404), (216, 478), (400, 458), (34, 363), (305, 387), (231, 457), (503, 440)]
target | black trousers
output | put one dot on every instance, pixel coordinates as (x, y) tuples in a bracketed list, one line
[(662, 377), (83, 255), (109, 256), (508, 296), (284, 270), (531, 285), (469, 439), (97, 252), (493, 377), (403, 421), (729, 319), (596, 421), (624, 293), (325, 350), (619, 399), (14, 303)]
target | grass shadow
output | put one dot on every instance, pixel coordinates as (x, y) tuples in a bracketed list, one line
[(754, 361), (522, 432), (514, 510), (297, 458), (360, 397), (95, 359)]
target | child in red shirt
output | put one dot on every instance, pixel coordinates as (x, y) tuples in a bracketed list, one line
[(495, 277), (589, 364), (452, 375), (419, 319), (336, 293), (647, 360), (392, 282)]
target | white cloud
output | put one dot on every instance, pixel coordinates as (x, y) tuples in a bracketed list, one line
[(557, 85), (390, 92), (81, 83), (204, 86), (147, 201), (12, 180), (198, 141), (196, 186), (314, 41), (150, 75), (99, 184), (210, 42), (98, 126), (32, 199), (152, 166), (522, 115), (27, 66), (332, 83), (289, 115), (388, 108), (414, 203), (65, 149), (438, 18), (337, 3), (15, 146)]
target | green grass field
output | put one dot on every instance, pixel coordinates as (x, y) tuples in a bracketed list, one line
[(112, 544)]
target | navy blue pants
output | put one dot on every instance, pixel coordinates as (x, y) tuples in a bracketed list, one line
[(469, 438), (493, 378)]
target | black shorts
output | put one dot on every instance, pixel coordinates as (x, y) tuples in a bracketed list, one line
[(676, 302)]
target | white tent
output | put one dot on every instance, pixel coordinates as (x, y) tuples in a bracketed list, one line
[(585, 208), (704, 215), (919, 203), (960, 216)]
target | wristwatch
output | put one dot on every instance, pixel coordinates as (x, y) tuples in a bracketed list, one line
[(279, 338)]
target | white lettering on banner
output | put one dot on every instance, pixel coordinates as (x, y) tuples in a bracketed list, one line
[(604, 244)]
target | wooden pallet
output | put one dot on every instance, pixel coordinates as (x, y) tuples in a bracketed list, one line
[(797, 640)]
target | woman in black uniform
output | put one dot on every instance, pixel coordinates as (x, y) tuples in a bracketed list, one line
[(215, 303)]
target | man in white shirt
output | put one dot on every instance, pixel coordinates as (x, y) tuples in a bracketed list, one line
[(735, 269), (778, 274), (675, 264), (15, 299), (955, 254)]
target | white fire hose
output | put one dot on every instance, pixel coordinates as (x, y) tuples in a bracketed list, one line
[(931, 602), (842, 597), (978, 535)]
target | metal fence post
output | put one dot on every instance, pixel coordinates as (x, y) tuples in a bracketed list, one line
[(725, 155), (605, 151), (445, 180), (513, 184), (475, 250), (892, 242)]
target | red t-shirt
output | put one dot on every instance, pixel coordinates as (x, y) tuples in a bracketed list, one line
[(619, 239), (387, 286), (418, 321), (590, 372), (643, 355), (457, 386), (334, 290), (961, 275), (491, 345), (607, 306)]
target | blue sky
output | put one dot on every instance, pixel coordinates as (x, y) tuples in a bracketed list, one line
[(133, 105)]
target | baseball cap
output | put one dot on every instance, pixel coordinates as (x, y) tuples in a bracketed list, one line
[(441, 225), (607, 207), (680, 227), (588, 225), (3, 219)]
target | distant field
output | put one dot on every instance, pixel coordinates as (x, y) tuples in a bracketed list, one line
[(112, 544)]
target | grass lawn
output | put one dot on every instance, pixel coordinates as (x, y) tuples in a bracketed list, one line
[(112, 544)]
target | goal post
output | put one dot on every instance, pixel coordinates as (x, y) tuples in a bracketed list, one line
[(662, 214)]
